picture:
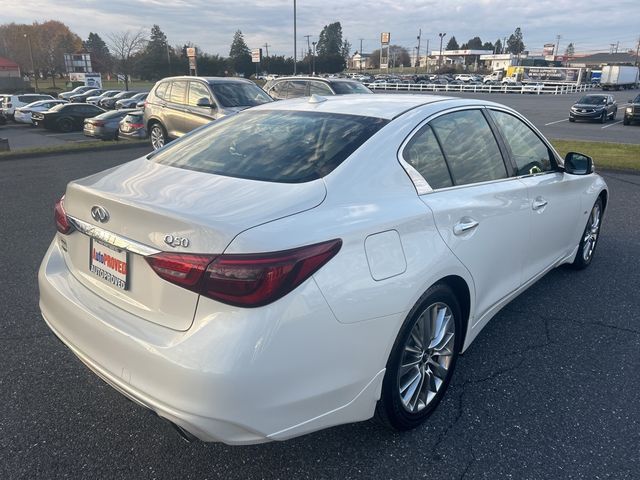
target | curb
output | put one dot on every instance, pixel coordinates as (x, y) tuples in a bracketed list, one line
[(26, 154)]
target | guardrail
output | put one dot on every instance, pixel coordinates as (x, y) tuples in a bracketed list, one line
[(555, 89)]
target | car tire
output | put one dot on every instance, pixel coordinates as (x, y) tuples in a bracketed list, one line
[(626, 121), (603, 118), (589, 238), (158, 136), (571, 119), (65, 125), (417, 373), (615, 114)]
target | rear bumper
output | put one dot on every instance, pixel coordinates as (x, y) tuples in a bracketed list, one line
[(238, 376)]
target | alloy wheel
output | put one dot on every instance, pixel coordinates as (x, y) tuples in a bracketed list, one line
[(591, 233), (157, 137), (426, 358)]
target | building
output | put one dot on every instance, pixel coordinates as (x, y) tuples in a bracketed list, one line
[(500, 61), (360, 61), (9, 68), (597, 60), (467, 58)]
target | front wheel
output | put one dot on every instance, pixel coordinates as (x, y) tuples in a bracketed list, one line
[(603, 118), (422, 360), (65, 125), (589, 239), (615, 114), (626, 121), (158, 138)]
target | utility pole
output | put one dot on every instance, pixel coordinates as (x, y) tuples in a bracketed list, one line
[(504, 44), (558, 37), (612, 45), (309, 50), (169, 59), (638, 52), (35, 74), (361, 54), (427, 57), (295, 46), (617, 45), (441, 35), (313, 58), (418, 50), (266, 47)]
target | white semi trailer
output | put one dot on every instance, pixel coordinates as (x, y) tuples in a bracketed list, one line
[(616, 77)]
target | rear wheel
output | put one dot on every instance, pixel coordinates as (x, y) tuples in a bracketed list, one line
[(65, 125), (157, 135), (589, 239), (422, 360)]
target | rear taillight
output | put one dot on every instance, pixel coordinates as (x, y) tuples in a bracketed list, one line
[(136, 125), (62, 222), (97, 123), (180, 268), (244, 280)]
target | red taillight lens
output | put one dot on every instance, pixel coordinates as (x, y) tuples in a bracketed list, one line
[(244, 280), (62, 222), (137, 125), (182, 269), (257, 280)]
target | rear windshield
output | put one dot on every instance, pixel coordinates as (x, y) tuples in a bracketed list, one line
[(272, 146), (344, 88), (237, 94)]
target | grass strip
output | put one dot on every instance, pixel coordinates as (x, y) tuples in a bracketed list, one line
[(616, 156)]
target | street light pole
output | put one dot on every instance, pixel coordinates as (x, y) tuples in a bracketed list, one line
[(35, 74), (441, 35), (295, 46), (313, 57)]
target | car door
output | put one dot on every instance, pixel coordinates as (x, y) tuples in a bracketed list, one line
[(481, 212), (554, 196), (174, 112), (196, 116)]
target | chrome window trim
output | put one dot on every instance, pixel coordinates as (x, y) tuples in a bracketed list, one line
[(112, 238), (420, 183)]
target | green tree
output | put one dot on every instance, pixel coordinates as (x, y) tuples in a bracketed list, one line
[(488, 46), (473, 44), (156, 57), (330, 49), (240, 56), (101, 60), (515, 43), (498, 47), (570, 51), (452, 44)]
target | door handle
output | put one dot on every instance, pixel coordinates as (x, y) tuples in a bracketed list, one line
[(464, 225), (539, 203)]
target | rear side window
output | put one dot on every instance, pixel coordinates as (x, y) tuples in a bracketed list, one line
[(178, 92), (344, 88), (272, 146), (297, 88), (319, 88), (161, 91), (423, 153), (279, 90), (469, 147)]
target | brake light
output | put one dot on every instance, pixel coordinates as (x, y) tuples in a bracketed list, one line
[(97, 123), (136, 125), (62, 222), (183, 269), (244, 280)]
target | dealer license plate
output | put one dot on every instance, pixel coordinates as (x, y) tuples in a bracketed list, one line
[(109, 263)]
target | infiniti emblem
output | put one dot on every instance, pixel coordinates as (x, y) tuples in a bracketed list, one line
[(99, 214)]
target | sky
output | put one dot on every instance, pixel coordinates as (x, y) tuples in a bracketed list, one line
[(210, 24)]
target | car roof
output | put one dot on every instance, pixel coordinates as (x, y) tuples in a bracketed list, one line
[(321, 79), (387, 106)]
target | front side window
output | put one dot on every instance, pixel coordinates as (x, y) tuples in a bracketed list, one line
[(178, 92), (423, 153), (469, 147), (272, 146), (319, 88), (237, 94), (344, 88), (197, 91), (279, 90), (530, 153), (297, 88)]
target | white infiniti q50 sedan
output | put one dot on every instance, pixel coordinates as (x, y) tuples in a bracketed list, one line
[(312, 262)]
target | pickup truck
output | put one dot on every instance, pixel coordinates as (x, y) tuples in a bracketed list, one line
[(632, 111)]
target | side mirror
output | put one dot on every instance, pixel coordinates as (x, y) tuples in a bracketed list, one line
[(578, 164), (204, 102)]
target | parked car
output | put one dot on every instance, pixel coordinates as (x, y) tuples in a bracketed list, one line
[(82, 97), (95, 100), (178, 105), (535, 88), (11, 102), (301, 265), (110, 103), (598, 107), (23, 114), (104, 126), (292, 87), (133, 101), (632, 112), (132, 126), (465, 77), (65, 117), (75, 91)]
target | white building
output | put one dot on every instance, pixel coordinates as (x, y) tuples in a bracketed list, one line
[(360, 61), (499, 61)]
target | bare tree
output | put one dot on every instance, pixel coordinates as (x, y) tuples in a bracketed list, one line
[(125, 47)]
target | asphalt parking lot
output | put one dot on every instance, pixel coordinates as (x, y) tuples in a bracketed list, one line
[(23, 136), (548, 390)]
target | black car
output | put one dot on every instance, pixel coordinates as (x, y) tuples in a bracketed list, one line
[(133, 101), (82, 97), (65, 117), (110, 103), (632, 111), (599, 107), (292, 87)]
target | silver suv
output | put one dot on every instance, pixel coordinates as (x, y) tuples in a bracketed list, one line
[(177, 105)]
